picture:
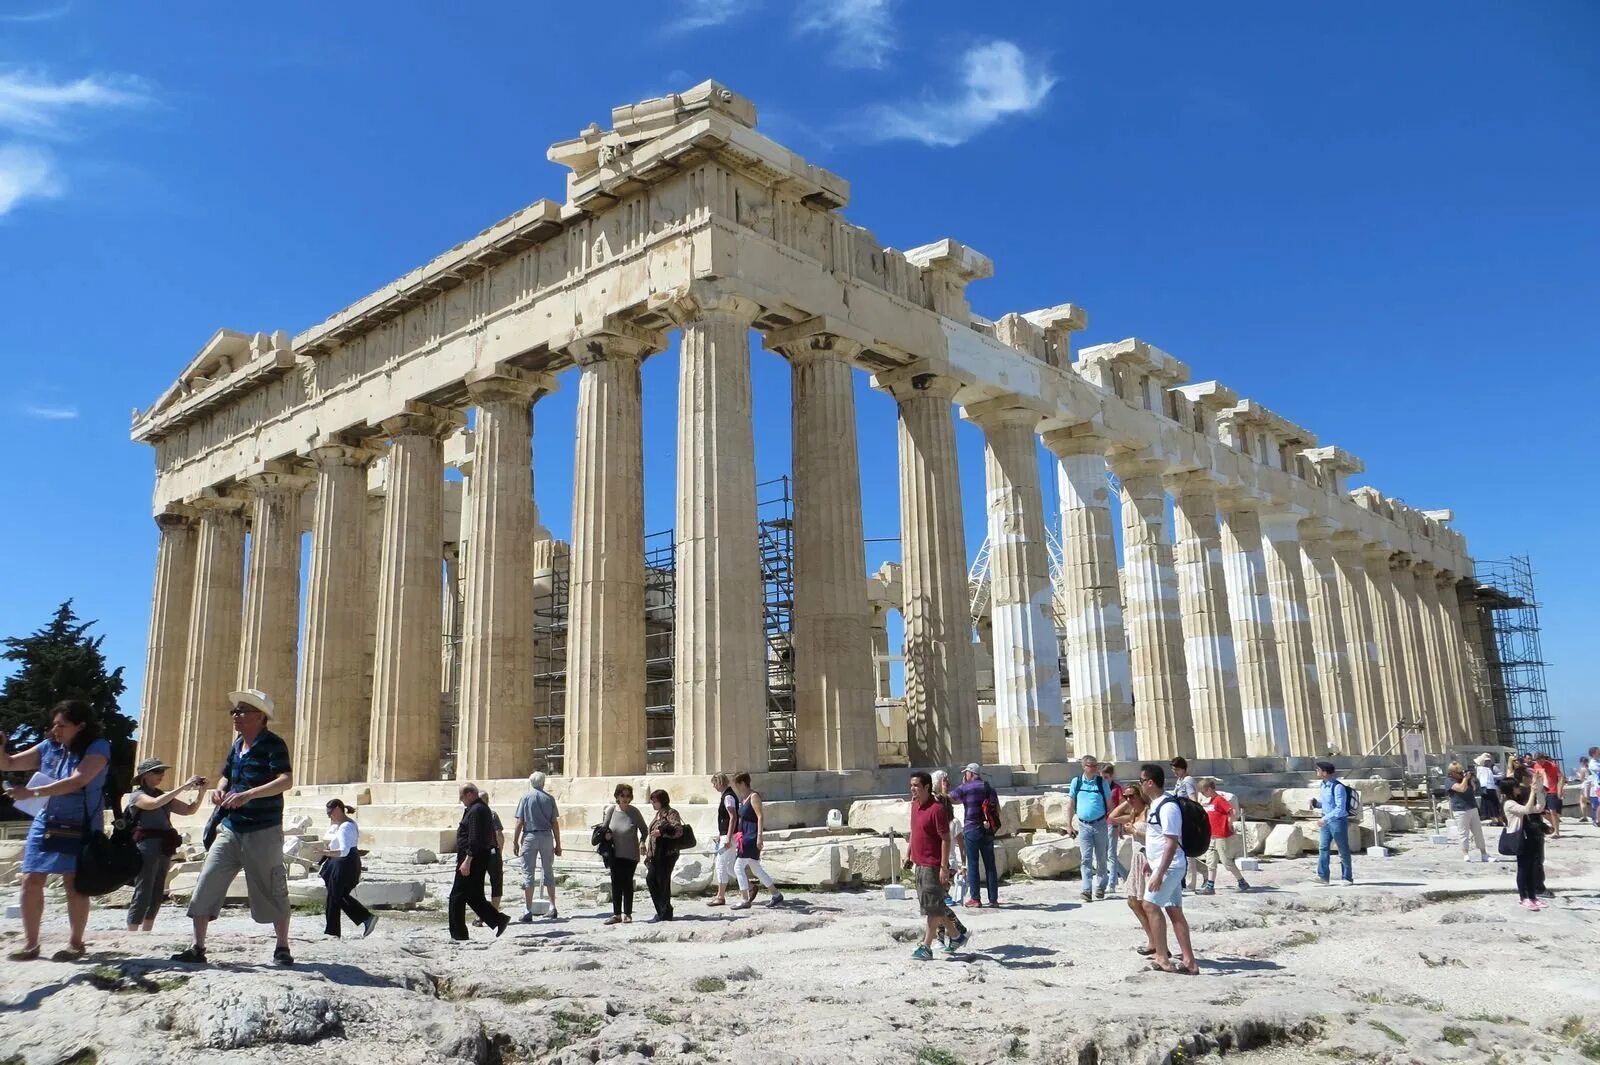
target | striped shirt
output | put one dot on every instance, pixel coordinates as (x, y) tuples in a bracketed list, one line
[(264, 762)]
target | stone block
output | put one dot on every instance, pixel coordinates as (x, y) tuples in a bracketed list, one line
[(1260, 803), (408, 856), (1051, 861), (895, 893), (1377, 852), (881, 816), (374, 894), (868, 860), (807, 866), (1055, 812), (1287, 841), (1249, 865), (1400, 819), (1029, 811), (692, 875), (1255, 836), (296, 824), (1297, 803)]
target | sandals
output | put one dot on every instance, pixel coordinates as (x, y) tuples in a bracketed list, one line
[(69, 953), (24, 954), (1160, 967), (1143, 951), (717, 902)]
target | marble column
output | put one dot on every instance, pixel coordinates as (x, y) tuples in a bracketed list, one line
[(1330, 641), (1464, 698), (1291, 626), (1446, 722), (211, 667), (1361, 640), (1210, 666), (271, 637), (719, 650), (605, 684), (1154, 626), (836, 725), (331, 747), (1413, 652), (1396, 703), (941, 684), (494, 722), (1266, 723), (1027, 665), (403, 742), (1099, 672), (1470, 621), (161, 710)]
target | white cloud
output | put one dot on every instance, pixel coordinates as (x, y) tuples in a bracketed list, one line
[(26, 173), (44, 14), (700, 14), (54, 414), (862, 31), (32, 103), (997, 81)]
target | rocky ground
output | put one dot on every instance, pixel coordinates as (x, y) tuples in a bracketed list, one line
[(1427, 959)]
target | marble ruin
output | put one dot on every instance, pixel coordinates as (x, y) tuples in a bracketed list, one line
[(1276, 613)]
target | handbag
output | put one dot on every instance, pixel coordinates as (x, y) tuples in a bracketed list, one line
[(1511, 842), (600, 839), (107, 863)]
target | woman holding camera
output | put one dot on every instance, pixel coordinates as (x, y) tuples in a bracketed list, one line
[(1522, 801), (149, 814)]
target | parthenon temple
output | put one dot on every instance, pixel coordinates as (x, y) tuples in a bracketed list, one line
[(1253, 603)]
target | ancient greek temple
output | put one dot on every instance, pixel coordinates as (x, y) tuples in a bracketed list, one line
[(1253, 604)]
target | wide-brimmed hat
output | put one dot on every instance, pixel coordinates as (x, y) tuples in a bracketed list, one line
[(149, 765), (1484, 759), (252, 697)]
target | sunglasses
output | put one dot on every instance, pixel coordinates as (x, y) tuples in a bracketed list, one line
[(236, 711)]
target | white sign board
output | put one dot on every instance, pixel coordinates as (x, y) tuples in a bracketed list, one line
[(1416, 754)]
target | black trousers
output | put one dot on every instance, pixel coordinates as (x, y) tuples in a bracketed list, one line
[(658, 878), (622, 870), (468, 891), (1530, 862), (341, 875)]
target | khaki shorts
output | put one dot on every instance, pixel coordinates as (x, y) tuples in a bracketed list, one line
[(260, 855), (931, 893)]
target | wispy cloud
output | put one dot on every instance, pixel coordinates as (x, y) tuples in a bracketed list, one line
[(26, 173), (33, 104), (997, 82), (44, 14), (862, 30), (699, 14), (52, 414)]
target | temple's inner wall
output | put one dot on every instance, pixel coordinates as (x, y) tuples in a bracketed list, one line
[(1280, 613)]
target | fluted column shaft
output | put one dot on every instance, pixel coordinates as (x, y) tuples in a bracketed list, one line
[(1027, 667), (1413, 651), (161, 709), (407, 668), (271, 634), (941, 683), (719, 655), (1446, 723), (212, 662), (1211, 668), (1464, 698), (605, 718), (1361, 640), (1099, 673), (835, 721), (1329, 641), (494, 722), (331, 739), (1154, 626), (1291, 626), (1266, 724), (1396, 705), (1469, 620)]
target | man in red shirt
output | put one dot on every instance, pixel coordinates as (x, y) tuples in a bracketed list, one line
[(1544, 764), (1226, 846), (929, 854)]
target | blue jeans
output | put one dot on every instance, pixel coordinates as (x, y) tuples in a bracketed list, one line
[(1334, 830), (1094, 844), (980, 841)]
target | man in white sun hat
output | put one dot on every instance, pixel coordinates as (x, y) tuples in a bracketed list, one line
[(249, 793)]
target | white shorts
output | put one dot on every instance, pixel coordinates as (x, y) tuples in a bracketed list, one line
[(1171, 891)]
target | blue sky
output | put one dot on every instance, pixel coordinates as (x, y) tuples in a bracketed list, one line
[(1380, 220)]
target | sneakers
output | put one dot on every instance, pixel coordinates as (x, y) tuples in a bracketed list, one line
[(1087, 896), (1099, 894), (922, 953), (281, 956), (371, 923), (742, 904), (1320, 880), (1243, 885), (1347, 883), (972, 904), (194, 954), (961, 939), (776, 900), (553, 914), (526, 918), (1529, 904), (613, 919), (1208, 888)]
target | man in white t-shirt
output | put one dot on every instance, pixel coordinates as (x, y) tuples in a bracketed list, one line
[(1163, 892)]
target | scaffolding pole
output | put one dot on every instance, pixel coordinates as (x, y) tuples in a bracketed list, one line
[(1517, 688)]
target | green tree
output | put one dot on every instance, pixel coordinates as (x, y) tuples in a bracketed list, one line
[(61, 661)]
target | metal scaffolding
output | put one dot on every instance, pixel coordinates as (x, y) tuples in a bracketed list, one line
[(1515, 660)]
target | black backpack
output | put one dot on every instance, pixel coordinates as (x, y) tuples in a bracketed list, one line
[(1196, 825)]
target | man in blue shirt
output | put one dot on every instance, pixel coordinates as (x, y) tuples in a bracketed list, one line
[(1088, 803), (1337, 802), (974, 794)]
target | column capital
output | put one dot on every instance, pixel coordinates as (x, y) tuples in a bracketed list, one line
[(287, 478), (503, 382), (212, 501), (1400, 560), (1001, 412), (1280, 524), (1082, 439), (1234, 499), (1132, 465), (1191, 483), (915, 381), (1377, 553), (423, 419), (1424, 570), (702, 300), (820, 337), (341, 454), (612, 338), (175, 516), (1317, 529)]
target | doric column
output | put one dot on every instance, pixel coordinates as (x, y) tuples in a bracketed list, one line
[(1467, 719), (1396, 704), (719, 654), (331, 747), (271, 636), (1098, 669), (494, 722), (161, 712), (406, 670), (1150, 598), (1027, 664), (1361, 640), (1291, 626), (941, 682), (212, 663), (1329, 640), (1413, 652), (835, 720), (605, 696), (1210, 666), (1470, 623), (1266, 724), (1446, 706)]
